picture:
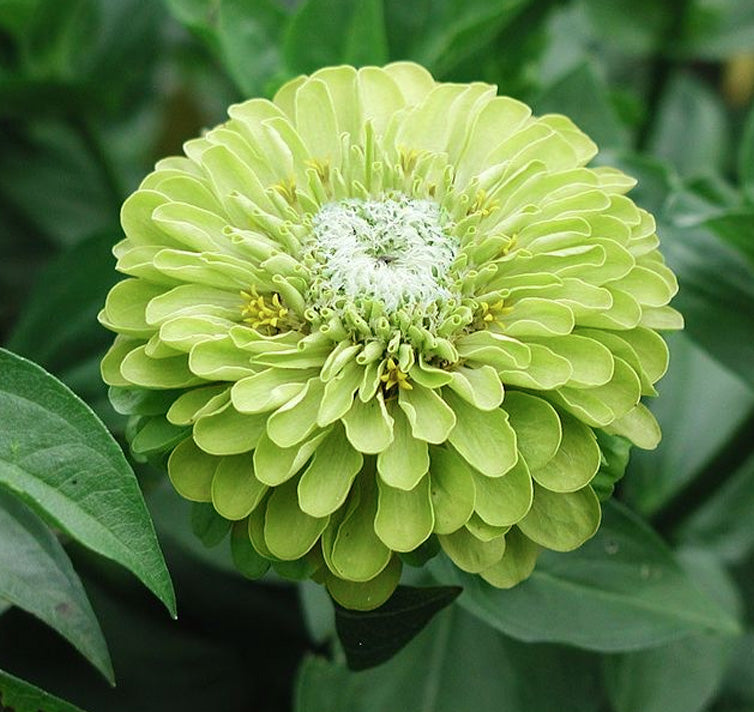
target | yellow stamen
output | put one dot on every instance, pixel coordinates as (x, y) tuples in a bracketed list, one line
[(394, 376), (287, 188), (482, 205), (493, 313), (264, 312)]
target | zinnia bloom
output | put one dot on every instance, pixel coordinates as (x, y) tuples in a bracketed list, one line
[(380, 313)]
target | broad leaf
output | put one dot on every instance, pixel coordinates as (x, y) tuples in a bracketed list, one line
[(61, 460), (20, 696), (456, 663), (621, 591), (372, 637), (328, 32), (36, 575)]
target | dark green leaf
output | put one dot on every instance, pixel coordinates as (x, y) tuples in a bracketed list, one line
[(327, 32), (440, 34), (690, 128), (746, 157), (682, 676), (207, 524), (20, 696), (634, 26), (36, 575), (58, 456), (455, 664), (583, 96), (717, 29), (691, 441), (736, 227), (370, 638), (623, 590)]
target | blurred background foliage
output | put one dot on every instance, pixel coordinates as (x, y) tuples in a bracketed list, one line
[(92, 92)]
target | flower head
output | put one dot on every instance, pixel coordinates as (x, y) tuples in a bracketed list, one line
[(385, 311)]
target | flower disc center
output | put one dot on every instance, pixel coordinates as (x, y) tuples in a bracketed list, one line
[(396, 250)]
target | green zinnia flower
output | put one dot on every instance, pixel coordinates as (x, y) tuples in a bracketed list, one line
[(384, 313)]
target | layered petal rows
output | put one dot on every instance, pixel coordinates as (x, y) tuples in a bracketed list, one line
[(380, 314)]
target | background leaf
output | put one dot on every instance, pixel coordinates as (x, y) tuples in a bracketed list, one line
[(20, 696), (36, 575), (59, 458), (622, 590)]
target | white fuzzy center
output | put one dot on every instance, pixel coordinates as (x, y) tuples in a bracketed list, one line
[(395, 250)]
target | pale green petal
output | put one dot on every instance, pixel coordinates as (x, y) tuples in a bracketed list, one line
[(502, 501), (485, 439), (451, 489), (184, 332), (545, 371), (235, 489), (639, 426), (185, 409), (219, 360), (479, 386), (414, 81), (404, 518), (356, 552), (517, 563), (339, 393), (537, 426), (469, 553), (140, 370), (296, 420), (369, 427), (316, 121), (268, 389), (431, 418), (406, 460), (125, 307), (576, 461), (288, 532), (274, 465), (562, 522), (191, 471), (591, 362), (325, 483), (534, 316), (661, 318), (194, 300), (483, 531), (497, 350), (136, 219), (110, 366), (365, 596), (228, 432)]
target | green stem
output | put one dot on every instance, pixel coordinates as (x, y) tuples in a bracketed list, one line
[(715, 474)]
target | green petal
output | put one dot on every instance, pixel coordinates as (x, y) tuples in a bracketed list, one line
[(288, 532), (545, 371), (537, 427), (191, 471), (141, 370), (184, 332), (639, 426), (431, 418), (274, 465), (576, 461), (357, 554), (245, 557), (369, 427), (341, 84), (219, 360), (469, 553), (235, 489), (316, 121), (126, 305), (479, 386), (517, 563), (503, 501), (198, 401), (451, 489), (591, 362), (404, 519), (500, 352), (228, 432), (483, 531), (368, 595), (194, 300), (406, 460), (296, 420), (268, 389), (110, 366), (562, 522), (485, 439), (533, 316), (338, 394), (414, 81), (661, 318), (326, 482), (600, 406), (136, 219), (256, 529)]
